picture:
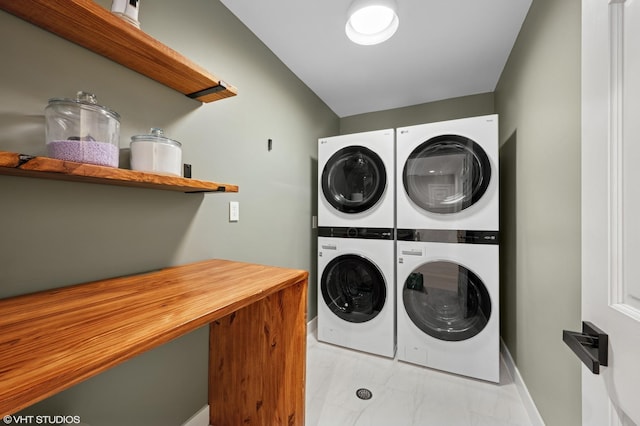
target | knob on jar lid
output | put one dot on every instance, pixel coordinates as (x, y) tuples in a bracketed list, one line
[(86, 98), (156, 135)]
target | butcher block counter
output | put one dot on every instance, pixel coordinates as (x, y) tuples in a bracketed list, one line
[(52, 340)]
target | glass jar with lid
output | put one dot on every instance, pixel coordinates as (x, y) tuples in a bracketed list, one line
[(156, 153), (80, 130)]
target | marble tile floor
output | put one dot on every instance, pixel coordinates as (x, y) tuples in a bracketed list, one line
[(403, 394)]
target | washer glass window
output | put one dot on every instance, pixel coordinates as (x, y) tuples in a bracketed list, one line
[(354, 179), (353, 288), (446, 300), (446, 174)]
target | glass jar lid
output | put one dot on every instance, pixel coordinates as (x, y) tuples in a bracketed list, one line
[(157, 135), (85, 100)]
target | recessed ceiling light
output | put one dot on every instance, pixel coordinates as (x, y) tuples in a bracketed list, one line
[(372, 21)]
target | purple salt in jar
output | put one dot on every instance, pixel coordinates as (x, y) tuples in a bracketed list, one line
[(80, 130), (91, 152)]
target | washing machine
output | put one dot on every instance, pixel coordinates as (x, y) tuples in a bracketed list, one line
[(448, 302), (356, 179), (356, 291), (447, 175)]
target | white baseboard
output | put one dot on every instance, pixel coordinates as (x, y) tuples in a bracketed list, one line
[(312, 326), (201, 418), (527, 401)]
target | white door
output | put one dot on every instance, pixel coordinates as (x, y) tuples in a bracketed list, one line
[(611, 205)]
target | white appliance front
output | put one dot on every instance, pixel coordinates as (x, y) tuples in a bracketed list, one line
[(447, 175), (356, 179), (356, 294), (448, 307)]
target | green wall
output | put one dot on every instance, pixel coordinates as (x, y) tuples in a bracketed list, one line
[(448, 109), (62, 233), (538, 99)]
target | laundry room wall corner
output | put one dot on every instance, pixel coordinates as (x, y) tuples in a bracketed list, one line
[(312, 293), (508, 243)]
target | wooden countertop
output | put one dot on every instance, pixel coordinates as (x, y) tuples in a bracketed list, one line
[(52, 340)]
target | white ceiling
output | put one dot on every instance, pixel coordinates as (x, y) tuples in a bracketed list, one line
[(442, 49)]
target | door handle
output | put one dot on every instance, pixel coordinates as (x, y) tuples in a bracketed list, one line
[(591, 346)]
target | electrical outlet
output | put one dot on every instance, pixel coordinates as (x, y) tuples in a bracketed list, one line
[(234, 211)]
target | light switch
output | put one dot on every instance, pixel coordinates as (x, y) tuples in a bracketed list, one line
[(234, 211)]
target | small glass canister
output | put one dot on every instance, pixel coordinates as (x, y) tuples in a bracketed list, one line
[(156, 153), (80, 130)]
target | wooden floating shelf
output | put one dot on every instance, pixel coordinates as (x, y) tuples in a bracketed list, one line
[(14, 164), (54, 339), (90, 25)]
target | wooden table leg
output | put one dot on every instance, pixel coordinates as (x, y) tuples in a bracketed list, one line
[(257, 362)]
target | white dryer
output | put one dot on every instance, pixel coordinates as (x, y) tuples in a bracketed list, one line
[(447, 175), (448, 303), (356, 180), (356, 291)]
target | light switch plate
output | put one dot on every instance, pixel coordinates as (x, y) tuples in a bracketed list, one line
[(234, 211)]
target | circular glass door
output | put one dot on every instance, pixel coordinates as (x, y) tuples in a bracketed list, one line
[(354, 179), (446, 174), (353, 288), (446, 300)]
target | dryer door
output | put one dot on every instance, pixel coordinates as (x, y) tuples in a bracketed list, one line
[(446, 174), (353, 288), (354, 179), (446, 300)]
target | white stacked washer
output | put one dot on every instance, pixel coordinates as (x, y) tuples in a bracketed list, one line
[(447, 248), (356, 291), (356, 247)]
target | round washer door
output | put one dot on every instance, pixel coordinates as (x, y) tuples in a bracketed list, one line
[(446, 174), (446, 300), (353, 288), (354, 179)]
